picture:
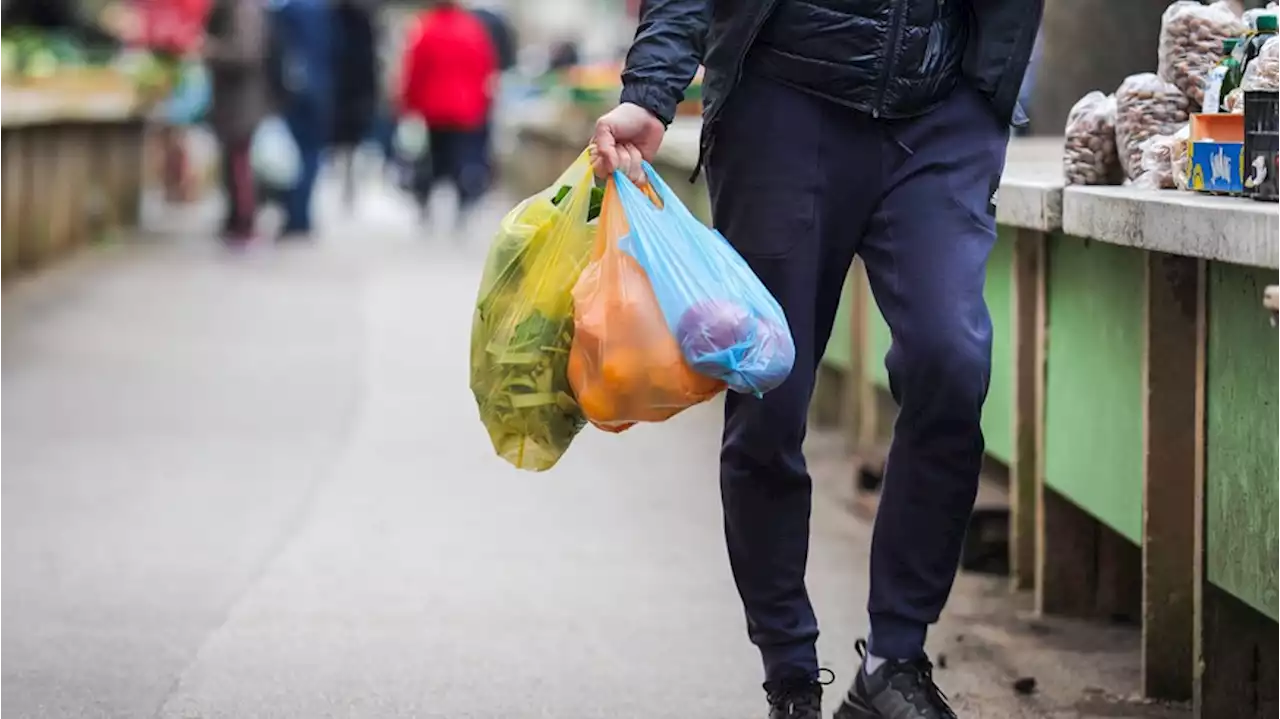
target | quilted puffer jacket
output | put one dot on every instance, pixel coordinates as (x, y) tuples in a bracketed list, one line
[(840, 49), (889, 58)]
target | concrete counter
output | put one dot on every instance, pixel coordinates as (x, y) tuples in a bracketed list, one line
[(1228, 229), (21, 107)]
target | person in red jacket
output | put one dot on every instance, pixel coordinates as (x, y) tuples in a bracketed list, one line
[(447, 77)]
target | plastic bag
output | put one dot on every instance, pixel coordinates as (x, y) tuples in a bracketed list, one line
[(1159, 154), (522, 328), (1263, 74), (1191, 36), (625, 365), (1145, 106), (727, 324), (410, 139), (1250, 17), (274, 154), (1089, 156), (1182, 159), (190, 99), (1233, 103)]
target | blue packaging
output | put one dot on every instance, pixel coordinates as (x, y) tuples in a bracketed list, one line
[(1216, 167)]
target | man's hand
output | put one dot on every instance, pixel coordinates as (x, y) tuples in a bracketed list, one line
[(624, 136)]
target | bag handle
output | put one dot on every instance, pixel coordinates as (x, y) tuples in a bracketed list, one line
[(638, 200)]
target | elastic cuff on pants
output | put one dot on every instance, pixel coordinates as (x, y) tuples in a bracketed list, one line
[(790, 662), (894, 637)]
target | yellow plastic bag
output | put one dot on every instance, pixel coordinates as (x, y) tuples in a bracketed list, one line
[(625, 366), (523, 324)]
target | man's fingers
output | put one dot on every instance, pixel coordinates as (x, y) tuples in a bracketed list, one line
[(635, 166), (624, 160), (605, 158)]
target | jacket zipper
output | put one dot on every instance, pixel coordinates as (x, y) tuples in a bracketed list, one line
[(895, 31), (703, 145)]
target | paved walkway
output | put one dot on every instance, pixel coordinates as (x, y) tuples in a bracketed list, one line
[(256, 486)]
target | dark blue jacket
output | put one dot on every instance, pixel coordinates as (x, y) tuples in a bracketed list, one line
[(838, 49), (883, 66)]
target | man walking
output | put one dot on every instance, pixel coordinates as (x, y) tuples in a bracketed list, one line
[(834, 128)]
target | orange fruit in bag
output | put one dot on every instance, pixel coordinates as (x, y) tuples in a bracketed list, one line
[(624, 364)]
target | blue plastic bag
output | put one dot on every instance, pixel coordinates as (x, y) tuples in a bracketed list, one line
[(727, 324), (190, 99), (274, 154)]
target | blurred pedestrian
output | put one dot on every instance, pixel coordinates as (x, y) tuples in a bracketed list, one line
[(303, 79), (236, 50), (447, 79), (832, 129), (503, 36), (564, 55), (356, 84)]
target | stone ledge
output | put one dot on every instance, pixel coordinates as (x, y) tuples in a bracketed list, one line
[(1226, 229)]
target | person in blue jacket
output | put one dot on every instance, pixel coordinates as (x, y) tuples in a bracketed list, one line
[(302, 76), (835, 128)]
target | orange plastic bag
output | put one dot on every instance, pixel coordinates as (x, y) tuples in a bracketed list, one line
[(624, 364)]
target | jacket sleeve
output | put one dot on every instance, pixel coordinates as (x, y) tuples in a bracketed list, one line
[(665, 54)]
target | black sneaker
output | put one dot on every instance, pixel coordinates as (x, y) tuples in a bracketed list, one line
[(795, 699), (896, 690)]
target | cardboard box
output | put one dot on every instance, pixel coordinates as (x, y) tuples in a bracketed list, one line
[(1216, 167), (1219, 127)]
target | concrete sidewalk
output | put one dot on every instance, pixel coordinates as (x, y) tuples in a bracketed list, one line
[(255, 486)]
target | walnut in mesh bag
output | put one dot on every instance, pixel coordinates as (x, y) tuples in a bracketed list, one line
[(1145, 106), (1264, 72), (1089, 156), (1191, 38)]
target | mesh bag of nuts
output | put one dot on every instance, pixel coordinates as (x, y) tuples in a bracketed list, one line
[(1089, 156), (1191, 38), (1160, 157), (1264, 72), (1145, 106)]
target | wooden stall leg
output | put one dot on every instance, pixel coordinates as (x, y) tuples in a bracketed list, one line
[(1173, 457), (858, 341), (12, 190), (1029, 328), (868, 416)]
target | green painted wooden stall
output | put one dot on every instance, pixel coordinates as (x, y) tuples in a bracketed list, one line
[(997, 413), (1241, 427), (1093, 379)]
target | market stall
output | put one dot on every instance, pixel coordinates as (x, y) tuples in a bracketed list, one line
[(74, 111)]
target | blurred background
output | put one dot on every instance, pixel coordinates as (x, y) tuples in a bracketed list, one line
[(242, 472)]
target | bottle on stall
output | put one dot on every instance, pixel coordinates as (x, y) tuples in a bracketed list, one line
[(1264, 30), (1223, 78)]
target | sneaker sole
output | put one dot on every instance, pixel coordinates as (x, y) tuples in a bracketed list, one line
[(853, 708)]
